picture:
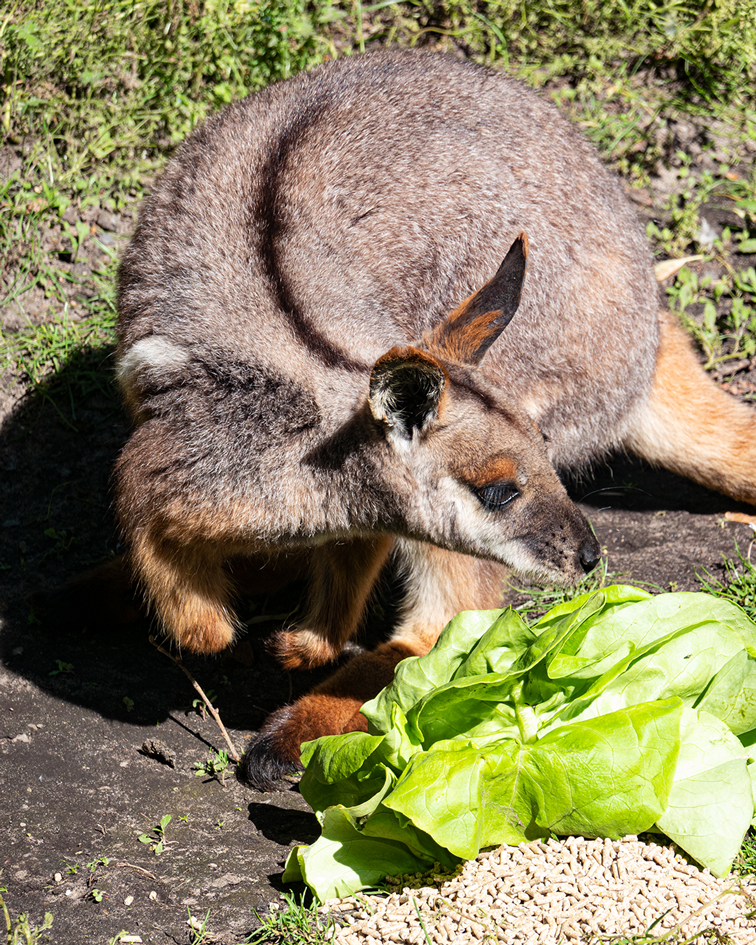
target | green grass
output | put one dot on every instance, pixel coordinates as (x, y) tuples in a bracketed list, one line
[(538, 600), (20, 931), (719, 312), (745, 865), (293, 923), (710, 48), (738, 584), (107, 88)]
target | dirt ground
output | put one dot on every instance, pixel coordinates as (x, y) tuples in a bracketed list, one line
[(77, 702)]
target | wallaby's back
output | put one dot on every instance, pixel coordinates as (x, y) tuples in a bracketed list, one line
[(314, 225)]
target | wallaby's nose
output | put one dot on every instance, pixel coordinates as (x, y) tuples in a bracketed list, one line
[(589, 554)]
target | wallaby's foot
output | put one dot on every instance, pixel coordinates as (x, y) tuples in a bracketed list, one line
[(275, 750), (330, 709)]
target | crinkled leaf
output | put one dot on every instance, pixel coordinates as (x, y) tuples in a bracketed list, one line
[(343, 860), (336, 772), (605, 777), (731, 695), (414, 677), (345, 755), (503, 734), (711, 802)]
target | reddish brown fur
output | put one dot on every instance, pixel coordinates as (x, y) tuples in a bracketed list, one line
[(492, 470), (334, 706), (691, 426), (462, 344), (409, 355), (466, 334)]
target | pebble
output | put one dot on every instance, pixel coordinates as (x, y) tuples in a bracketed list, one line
[(107, 221)]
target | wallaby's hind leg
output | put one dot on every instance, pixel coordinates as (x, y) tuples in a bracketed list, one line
[(438, 585), (331, 708), (693, 427)]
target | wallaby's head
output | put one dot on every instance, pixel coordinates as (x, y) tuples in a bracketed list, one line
[(472, 467)]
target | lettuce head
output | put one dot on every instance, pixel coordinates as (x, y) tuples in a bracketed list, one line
[(618, 712)]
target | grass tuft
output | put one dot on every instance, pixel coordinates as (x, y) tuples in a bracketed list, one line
[(294, 923), (738, 583), (538, 600)]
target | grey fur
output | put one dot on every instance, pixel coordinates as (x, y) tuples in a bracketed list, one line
[(349, 209)]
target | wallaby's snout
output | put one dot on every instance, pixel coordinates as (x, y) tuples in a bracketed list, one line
[(566, 544), (589, 554)]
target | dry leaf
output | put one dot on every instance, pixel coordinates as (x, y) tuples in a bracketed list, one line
[(668, 267)]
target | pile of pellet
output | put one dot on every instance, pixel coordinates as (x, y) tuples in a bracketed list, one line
[(570, 891)]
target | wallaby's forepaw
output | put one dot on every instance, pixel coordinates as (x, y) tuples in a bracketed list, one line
[(275, 750), (302, 649)]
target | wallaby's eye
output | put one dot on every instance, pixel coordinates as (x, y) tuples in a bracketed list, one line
[(497, 495)]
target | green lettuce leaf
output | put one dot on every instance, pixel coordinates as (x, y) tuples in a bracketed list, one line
[(616, 713), (711, 803)]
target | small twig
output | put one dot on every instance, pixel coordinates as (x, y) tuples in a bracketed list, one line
[(234, 755), (139, 869), (734, 367)]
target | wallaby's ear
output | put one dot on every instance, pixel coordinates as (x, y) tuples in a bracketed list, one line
[(471, 329), (406, 390)]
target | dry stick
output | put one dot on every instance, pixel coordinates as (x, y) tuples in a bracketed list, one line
[(139, 869), (233, 753)]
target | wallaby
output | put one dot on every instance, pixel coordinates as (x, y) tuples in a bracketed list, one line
[(310, 319)]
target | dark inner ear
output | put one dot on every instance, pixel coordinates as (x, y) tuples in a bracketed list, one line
[(406, 388), (470, 330)]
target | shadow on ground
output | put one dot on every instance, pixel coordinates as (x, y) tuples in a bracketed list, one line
[(77, 703)]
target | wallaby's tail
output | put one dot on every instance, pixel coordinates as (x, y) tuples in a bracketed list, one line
[(691, 426)]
